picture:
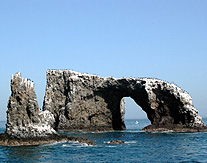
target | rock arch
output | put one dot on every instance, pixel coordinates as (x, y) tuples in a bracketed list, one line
[(89, 102)]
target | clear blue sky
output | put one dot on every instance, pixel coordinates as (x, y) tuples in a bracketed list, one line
[(131, 38)]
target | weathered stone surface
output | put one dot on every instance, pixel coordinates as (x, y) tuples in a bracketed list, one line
[(75, 103), (89, 102), (24, 117)]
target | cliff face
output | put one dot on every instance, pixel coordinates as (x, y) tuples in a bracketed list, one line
[(24, 118), (89, 102), (75, 103)]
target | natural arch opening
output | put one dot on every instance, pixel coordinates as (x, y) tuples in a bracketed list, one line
[(133, 113), (132, 110)]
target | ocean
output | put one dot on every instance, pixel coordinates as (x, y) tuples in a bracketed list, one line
[(138, 147)]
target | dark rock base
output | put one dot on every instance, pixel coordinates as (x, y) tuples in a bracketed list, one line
[(6, 140), (97, 129), (174, 128)]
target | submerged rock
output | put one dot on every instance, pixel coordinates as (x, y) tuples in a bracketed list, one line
[(116, 142), (88, 102)]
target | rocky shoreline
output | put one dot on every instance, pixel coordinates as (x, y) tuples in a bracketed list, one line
[(174, 128), (7, 140)]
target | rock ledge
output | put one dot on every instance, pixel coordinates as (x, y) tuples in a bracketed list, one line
[(7, 140), (174, 128)]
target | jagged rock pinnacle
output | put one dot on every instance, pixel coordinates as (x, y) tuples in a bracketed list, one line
[(24, 117)]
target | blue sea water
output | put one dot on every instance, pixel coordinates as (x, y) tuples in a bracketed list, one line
[(139, 147)]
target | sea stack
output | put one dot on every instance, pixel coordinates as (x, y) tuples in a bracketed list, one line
[(24, 117), (26, 123), (82, 101)]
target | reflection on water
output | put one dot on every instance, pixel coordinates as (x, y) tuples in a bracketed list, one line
[(22, 153)]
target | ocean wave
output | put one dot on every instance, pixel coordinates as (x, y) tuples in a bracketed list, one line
[(126, 142), (102, 132), (51, 144), (67, 145), (110, 146), (163, 132), (77, 145), (131, 131), (174, 132), (130, 142), (105, 146), (84, 145)]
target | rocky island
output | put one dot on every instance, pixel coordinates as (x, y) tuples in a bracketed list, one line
[(27, 124), (78, 101), (81, 101)]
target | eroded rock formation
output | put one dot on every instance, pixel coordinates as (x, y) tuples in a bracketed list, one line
[(89, 102), (24, 117)]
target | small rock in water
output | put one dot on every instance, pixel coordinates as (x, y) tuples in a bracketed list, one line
[(116, 142)]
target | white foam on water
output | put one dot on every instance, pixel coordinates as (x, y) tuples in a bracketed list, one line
[(163, 132), (66, 145), (110, 146), (103, 132), (84, 144), (77, 144), (51, 144), (130, 142), (132, 131), (126, 142)]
